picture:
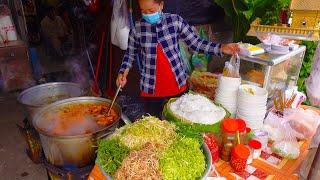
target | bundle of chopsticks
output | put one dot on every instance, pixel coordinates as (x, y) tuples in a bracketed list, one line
[(281, 102)]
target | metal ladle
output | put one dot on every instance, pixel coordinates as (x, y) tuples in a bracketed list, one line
[(114, 99)]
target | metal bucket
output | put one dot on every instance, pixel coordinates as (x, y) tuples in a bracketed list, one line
[(72, 151), (34, 98)]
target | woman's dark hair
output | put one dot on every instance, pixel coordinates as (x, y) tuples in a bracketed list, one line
[(157, 1)]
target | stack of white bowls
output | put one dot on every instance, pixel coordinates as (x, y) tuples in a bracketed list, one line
[(227, 93), (252, 105)]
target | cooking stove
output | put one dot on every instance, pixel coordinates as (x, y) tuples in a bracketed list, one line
[(67, 172), (35, 153), (31, 136)]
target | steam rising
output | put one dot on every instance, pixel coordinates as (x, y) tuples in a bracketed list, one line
[(78, 125), (79, 68)]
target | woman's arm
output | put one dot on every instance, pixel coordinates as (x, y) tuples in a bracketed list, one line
[(129, 56), (201, 45), (128, 59)]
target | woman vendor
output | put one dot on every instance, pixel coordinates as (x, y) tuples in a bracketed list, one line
[(155, 38)]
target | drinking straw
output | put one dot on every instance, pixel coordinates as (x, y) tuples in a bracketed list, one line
[(238, 137)]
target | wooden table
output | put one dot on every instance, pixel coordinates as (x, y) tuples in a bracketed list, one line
[(285, 169)]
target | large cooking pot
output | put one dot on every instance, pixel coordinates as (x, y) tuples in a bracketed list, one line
[(71, 151), (34, 98)]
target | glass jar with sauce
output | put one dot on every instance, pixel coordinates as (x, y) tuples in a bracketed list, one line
[(242, 131), (229, 128)]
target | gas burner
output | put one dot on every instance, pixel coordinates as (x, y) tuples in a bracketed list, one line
[(67, 172), (31, 136)]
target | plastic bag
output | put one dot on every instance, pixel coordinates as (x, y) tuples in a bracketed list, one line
[(288, 147), (120, 24), (273, 125), (304, 122), (299, 99), (186, 56), (200, 61), (231, 68), (280, 131), (7, 28)]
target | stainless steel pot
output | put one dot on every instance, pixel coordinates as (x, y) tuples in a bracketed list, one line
[(34, 98), (76, 151)]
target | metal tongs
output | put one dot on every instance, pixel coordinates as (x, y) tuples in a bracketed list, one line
[(114, 99)]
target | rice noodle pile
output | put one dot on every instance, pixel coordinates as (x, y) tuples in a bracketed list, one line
[(197, 109), (140, 165)]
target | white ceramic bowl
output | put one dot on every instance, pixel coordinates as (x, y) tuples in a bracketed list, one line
[(258, 92), (227, 98), (228, 82), (233, 95), (280, 48)]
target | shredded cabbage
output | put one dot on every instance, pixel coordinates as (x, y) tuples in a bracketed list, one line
[(147, 130), (184, 159)]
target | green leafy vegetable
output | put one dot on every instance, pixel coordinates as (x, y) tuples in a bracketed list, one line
[(149, 129), (242, 13), (182, 160), (110, 155), (272, 16)]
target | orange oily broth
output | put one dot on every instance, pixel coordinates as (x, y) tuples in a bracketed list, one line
[(77, 119)]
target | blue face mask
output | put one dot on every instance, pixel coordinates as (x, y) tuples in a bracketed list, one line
[(152, 18)]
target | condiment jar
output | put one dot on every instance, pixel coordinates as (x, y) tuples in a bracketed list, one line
[(250, 158), (255, 147), (212, 144), (229, 128), (239, 157), (261, 136), (242, 130)]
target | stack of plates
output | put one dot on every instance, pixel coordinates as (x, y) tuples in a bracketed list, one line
[(252, 105), (227, 93)]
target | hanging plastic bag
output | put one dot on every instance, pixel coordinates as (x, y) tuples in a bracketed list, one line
[(200, 61), (186, 56), (231, 68), (7, 28), (120, 26)]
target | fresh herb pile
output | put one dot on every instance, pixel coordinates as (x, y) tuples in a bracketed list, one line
[(110, 155), (151, 147)]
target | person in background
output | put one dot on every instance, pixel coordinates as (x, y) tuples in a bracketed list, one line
[(55, 30), (155, 37)]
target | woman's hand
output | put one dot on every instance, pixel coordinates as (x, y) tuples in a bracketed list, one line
[(122, 78), (230, 49)]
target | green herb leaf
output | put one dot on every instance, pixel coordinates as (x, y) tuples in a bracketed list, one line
[(110, 155)]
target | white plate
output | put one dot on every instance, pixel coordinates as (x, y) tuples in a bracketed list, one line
[(258, 92)]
